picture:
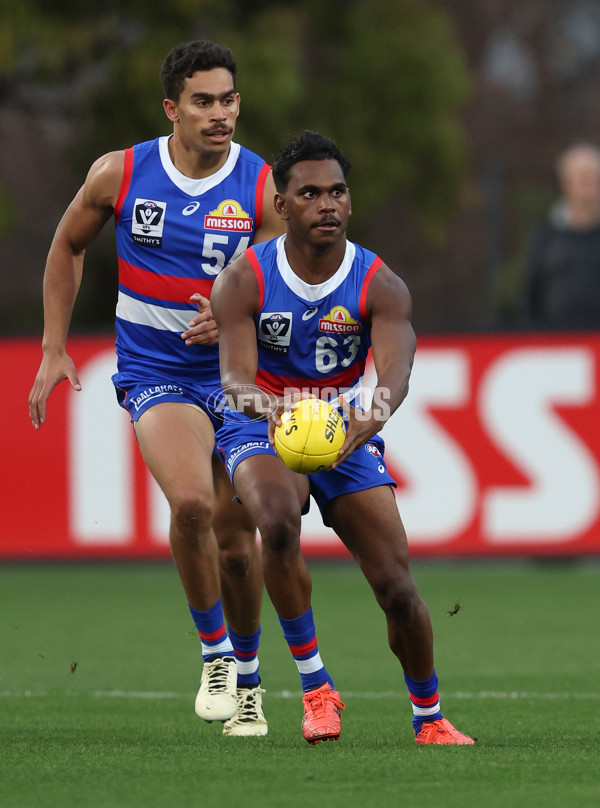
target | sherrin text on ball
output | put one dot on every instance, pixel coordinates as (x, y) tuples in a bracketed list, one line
[(310, 436)]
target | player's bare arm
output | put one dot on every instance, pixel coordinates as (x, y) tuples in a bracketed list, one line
[(84, 218), (235, 300), (272, 225), (393, 345)]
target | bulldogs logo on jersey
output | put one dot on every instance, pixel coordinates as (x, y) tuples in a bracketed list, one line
[(148, 222), (275, 331)]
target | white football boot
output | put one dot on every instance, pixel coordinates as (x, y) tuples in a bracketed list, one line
[(249, 718), (216, 699)]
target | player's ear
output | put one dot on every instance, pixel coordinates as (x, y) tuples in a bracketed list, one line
[(280, 206), (170, 108)]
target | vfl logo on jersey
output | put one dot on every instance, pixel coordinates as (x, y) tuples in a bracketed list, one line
[(274, 331), (148, 222), (229, 216), (339, 321)]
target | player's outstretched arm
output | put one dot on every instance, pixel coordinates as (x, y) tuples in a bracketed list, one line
[(235, 300), (393, 341), (84, 218), (393, 345)]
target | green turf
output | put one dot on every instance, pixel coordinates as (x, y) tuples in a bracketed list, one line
[(519, 666)]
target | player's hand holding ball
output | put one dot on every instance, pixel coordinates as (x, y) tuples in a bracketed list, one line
[(310, 436)]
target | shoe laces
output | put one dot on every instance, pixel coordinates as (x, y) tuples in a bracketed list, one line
[(248, 703), (431, 727), (440, 725), (217, 674), (322, 702)]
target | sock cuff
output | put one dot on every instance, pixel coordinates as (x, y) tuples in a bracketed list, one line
[(298, 629), (208, 614), (423, 688), (247, 643)]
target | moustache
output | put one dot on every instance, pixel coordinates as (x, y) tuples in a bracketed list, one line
[(329, 220), (218, 130)]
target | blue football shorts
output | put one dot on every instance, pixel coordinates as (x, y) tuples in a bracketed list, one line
[(137, 394), (365, 468)]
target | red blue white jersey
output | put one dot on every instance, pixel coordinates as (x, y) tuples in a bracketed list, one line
[(312, 337), (174, 235)]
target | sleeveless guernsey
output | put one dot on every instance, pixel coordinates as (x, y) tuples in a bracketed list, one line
[(174, 235), (312, 337)]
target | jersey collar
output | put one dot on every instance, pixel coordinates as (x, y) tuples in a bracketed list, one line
[(318, 291), (196, 187)]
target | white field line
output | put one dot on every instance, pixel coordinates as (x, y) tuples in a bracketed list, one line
[(289, 694)]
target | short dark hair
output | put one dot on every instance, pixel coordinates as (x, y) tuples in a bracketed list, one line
[(184, 60), (309, 146)]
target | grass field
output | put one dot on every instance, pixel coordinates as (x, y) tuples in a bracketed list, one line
[(519, 668)]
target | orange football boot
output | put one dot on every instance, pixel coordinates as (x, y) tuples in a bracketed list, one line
[(321, 721), (442, 731)]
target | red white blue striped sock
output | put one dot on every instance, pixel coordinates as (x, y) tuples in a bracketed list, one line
[(212, 631), (300, 635), (425, 700), (245, 647)]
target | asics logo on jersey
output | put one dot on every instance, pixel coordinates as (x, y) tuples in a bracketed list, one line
[(191, 208), (310, 312)]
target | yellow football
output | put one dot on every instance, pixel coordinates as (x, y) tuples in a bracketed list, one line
[(310, 436)]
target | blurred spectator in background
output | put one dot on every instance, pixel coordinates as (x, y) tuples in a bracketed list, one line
[(563, 274)]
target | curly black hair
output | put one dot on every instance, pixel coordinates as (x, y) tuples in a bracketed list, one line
[(184, 60), (309, 146)]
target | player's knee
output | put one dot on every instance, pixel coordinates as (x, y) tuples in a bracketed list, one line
[(191, 512), (280, 533), (397, 595), (236, 560)]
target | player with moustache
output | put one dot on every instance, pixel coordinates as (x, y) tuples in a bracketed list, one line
[(184, 206), (276, 308)]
